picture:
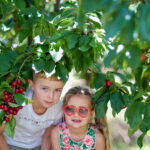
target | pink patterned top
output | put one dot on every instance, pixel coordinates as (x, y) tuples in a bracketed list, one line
[(66, 143)]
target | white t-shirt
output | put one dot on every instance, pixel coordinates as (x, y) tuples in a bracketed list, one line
[(30, 127)]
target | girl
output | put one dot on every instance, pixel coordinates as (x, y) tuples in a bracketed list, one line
[(76, 133)]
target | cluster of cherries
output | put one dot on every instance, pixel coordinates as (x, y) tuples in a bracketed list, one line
[(9, 97)]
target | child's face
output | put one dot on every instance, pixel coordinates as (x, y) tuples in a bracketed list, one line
[(46, 93), (76, 120)]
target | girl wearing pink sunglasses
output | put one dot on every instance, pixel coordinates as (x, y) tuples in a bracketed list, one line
[(77, 133)]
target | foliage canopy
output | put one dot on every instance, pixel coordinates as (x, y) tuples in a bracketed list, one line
[(104, 38)]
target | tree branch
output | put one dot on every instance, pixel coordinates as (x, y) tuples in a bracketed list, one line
[(57, 5)]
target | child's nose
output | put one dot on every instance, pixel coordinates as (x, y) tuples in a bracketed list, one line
[(51, 94), (76, 113)]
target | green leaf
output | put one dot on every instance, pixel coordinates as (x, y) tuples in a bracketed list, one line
[(57, 36), (39, 65), (20, 4), (84, 40), (116, 100), (5, 63), (140, 140), (132, 131), (62, 72), (101, 107), (139, 94), (89, 5), (84, 48), (49, 66), (134, 56), (93, 42), (4, 85), (13, 105), (109, 57), (20, 99), (99, 80), (10, 127), (98, 94), (127, 99), (72, 40), (133, 114), (113, 27), (12, 55), (19, 58), (24, 34), (144, 22), (2, 115)]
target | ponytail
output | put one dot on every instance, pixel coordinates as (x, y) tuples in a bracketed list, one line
[(102, 126)]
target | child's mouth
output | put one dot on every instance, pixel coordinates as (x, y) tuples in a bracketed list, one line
[(76, 121), (49, 102)]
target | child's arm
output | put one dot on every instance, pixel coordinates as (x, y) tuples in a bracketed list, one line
[(46, 145), (55, 139), (100, 141), (3, 143)]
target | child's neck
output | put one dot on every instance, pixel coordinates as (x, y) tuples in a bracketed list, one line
[(78, 134), (38, 109)]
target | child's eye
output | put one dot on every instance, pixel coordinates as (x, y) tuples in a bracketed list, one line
[(44, 88), (58, 90)]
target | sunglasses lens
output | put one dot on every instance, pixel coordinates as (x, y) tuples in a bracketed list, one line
[(69, 110), (83, 111)]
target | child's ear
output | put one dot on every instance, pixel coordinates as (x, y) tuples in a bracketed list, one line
[(31, 84)]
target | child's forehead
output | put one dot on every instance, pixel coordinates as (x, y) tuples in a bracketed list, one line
[(49, 83), (79, 99)]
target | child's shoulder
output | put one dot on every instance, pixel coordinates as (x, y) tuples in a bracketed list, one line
[(100, 139)]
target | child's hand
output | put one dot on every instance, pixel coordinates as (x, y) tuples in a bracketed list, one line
[(2, 128)]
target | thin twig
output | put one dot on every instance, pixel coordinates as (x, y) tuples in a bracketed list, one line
[(57, 5), (121, 90), (23, 65)]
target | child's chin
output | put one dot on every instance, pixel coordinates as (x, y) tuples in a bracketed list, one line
[(48, 105)]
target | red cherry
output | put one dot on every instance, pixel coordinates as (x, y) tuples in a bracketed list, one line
[(14, 19), (5, 107), (14, 112), (2, 106), (143, 57), (20, 107), (18, 27), (16, 91), (11, 110), (7, 113), (123, 107), (25, 80), (21, 90), (17, 108), (108, 83), (5, 93), (6, 119), (13, 101), (13, 84), (8, 100), (19, 82), (6, 97)]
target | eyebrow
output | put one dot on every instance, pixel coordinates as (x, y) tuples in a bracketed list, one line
[(50, 87)]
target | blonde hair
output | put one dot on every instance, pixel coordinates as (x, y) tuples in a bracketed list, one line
[(101, 123), (42, 75)]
